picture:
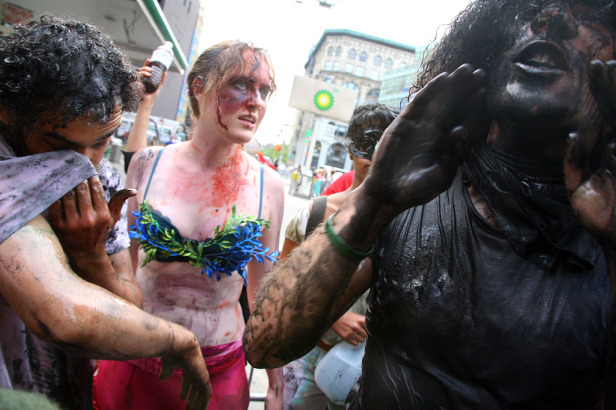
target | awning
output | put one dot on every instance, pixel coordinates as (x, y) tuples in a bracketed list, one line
[(159, 23)]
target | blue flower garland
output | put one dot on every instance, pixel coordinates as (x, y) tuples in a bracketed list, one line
[(231, 248)]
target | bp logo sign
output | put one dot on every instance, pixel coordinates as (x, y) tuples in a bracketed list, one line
[(323, 100)]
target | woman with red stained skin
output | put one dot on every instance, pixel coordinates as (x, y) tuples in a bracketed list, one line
[(195, 184)]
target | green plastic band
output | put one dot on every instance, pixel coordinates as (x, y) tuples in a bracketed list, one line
[(341, 246)]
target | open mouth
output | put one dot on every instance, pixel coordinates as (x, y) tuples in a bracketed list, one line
[(249, 119), (541, 58)]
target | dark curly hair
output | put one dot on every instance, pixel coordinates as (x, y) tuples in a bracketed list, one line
[(481, 33), (370, 114), (65, 67), (484, 31)]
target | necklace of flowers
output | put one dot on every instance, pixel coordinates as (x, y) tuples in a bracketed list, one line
[(228, 251)]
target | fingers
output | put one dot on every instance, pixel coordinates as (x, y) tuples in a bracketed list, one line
[(56, 213), (448, 94), (185, 388), (69, 203), (575, 162), (166, 370), (603, 85), (117, 201), (87, 197)]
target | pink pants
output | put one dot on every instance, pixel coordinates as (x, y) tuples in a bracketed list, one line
[(134, 384)]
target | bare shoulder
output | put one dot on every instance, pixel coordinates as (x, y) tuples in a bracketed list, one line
[(272, 182), (141, 165)]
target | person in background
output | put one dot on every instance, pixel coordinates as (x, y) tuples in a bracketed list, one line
[(296, 180), (340, 184), (365, 129), (63, 88), (491, 209), (205, 222)]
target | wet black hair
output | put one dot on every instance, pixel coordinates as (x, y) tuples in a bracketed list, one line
[(481, 33), (68, 68), (369, 114)]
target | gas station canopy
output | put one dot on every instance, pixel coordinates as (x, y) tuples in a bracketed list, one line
[(137, 26)]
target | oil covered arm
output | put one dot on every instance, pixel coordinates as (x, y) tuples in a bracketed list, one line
[(418, 157)]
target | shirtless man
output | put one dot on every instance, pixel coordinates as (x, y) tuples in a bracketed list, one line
[(491, 280), (63, 88)]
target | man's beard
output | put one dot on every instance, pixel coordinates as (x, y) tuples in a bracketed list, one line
[(16, 139)]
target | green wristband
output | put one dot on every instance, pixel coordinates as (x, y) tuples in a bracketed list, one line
[(341, 246)]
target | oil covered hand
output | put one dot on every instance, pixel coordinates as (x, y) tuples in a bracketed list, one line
[(82, 219), (592, 188), (420, 152)]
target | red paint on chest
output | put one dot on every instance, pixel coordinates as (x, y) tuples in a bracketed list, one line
[(228, 180)]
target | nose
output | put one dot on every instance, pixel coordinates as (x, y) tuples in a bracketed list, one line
[(255, 99), (556, 20)]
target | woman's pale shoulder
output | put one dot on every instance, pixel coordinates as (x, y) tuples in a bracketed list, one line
[(148, 153)]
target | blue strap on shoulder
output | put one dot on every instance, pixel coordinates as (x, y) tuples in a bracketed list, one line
[(261, 193), (152, 173)]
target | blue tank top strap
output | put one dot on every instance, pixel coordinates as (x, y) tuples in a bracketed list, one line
[(261, 193), (152, 173)]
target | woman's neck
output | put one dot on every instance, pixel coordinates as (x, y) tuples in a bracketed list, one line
[(212, 149)]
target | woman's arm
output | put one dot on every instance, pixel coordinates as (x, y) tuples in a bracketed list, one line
[(274, 190), (138, 134)]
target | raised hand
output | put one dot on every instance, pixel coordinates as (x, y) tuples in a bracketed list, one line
[(146, 71), (590, 171), (420, 152)]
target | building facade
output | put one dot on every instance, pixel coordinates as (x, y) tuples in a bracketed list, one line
[(398, 82), (137, 27), (352, 60)]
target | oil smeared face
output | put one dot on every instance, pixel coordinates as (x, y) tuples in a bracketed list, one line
[(80, 135), (243, 101), (543, 79)]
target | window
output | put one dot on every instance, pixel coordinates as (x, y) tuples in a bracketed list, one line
[(328, 65), (336, 155), (336, 66), (378, 61), (363, 57), (352, 54), (351, 86), (389, 63), (375, 75), (330, 51), (348, 67), (374, 93), (360, 71), (340, 131), (338, 51)]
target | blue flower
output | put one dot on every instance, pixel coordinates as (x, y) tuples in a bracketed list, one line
[(231, 248)]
